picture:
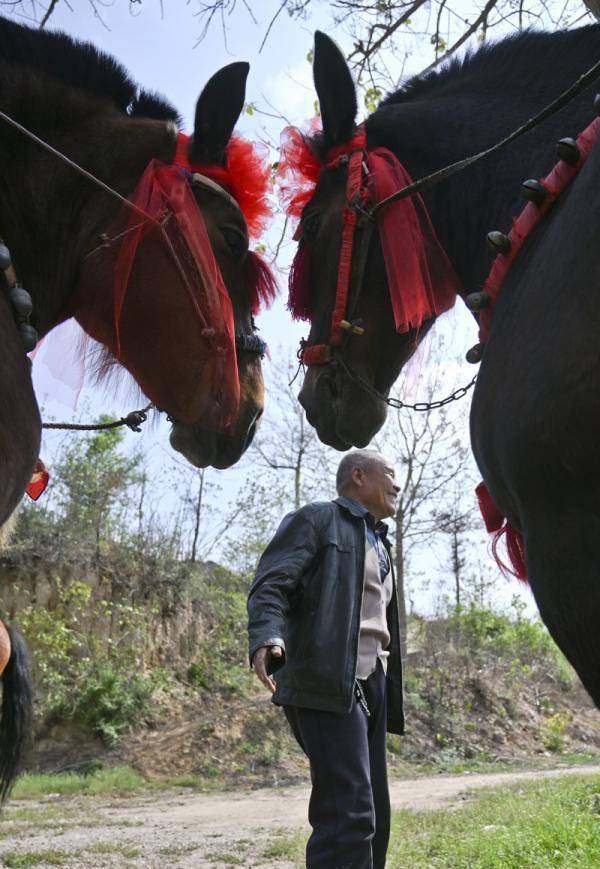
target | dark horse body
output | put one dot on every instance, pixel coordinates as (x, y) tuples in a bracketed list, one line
[(536, 408), (51, 218)]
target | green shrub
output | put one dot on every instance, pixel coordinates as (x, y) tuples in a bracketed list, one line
[(108, 702), (553, 731), (525, 640)]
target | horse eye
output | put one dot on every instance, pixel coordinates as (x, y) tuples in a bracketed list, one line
[(310, 226), (234, 239)]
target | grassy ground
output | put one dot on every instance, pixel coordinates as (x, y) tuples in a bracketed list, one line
[(534, 826), (123, 779), (117, 780)]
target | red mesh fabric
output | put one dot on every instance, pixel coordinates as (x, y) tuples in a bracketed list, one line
[(555, 182), (421, 280), (246, 175), (500, 528), (208, 387)]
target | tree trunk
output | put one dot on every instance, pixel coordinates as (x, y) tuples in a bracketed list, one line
[(298, 468), (456, 565), (399, 566), (197, 518)]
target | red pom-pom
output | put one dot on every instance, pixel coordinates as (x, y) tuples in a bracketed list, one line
[(246, 175), (298, 170)]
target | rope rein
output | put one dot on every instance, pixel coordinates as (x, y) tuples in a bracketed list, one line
[(133, 421)]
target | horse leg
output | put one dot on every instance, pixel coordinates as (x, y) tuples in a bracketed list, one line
[(15, 716), (563, 562)]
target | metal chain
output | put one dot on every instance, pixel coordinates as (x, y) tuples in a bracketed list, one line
[(133, 421), (423, 406), (397, 403)]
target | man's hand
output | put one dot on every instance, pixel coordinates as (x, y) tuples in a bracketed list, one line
[(260, 661)]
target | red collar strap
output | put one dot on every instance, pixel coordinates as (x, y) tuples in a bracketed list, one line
[(544, 193), (421, 280)]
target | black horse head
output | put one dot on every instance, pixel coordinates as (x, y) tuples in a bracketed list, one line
[(430, 122)]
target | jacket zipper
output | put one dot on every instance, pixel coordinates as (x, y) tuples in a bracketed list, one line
[(360, 600)]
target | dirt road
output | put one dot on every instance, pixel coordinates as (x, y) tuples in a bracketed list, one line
[(181, 829)]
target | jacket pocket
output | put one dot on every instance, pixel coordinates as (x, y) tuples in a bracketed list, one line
[(340, 544)]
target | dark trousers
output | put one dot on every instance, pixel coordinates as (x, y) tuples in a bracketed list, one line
[(349, 807)]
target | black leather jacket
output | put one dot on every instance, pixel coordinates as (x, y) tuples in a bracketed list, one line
[(306, 597)]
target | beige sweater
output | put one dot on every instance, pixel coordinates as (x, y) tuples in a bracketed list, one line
[(374, 637)]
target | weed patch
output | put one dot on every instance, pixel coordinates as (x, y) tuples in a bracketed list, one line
[(34, 858), (118, 779)]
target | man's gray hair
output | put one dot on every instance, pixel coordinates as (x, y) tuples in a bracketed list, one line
[(363, 459)]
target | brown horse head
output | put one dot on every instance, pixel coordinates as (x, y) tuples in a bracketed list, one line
[(170, 301), (352, 366)]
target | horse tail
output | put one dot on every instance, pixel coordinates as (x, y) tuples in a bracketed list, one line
[(16, 712)]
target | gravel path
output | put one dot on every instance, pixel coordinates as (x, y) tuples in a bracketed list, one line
[(182, 829)]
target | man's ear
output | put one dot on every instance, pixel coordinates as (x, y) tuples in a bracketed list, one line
[(217, 111), (336, 91), (357, 476)]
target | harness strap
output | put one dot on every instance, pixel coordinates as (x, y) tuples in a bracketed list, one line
[(356, 196), (557, 180)]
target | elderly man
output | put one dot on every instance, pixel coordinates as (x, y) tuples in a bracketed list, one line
[(323, 615)]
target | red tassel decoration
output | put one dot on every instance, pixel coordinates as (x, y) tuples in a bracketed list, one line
[(499, 527)]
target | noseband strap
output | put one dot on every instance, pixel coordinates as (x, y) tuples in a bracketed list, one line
[(251, 344)]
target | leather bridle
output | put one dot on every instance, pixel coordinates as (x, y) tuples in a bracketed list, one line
[(357, 214)]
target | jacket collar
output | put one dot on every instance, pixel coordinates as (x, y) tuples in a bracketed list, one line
[(361, 512)]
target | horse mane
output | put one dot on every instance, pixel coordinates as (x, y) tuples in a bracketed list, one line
[(81, 66), (506, 64)]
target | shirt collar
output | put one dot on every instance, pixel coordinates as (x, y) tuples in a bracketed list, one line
[(360, 511)]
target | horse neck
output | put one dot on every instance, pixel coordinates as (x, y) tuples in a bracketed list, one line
[(50, 215), (429, 134)]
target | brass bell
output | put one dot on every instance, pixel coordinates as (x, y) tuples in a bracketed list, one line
[(5, 260), (477, 301), (568, 150), (29, 336), (498, 241), (534, 191), (21, 301), (475, 354)]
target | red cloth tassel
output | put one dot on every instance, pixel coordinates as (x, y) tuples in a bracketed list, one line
[(301, 300), (499, 527), (39, 481)]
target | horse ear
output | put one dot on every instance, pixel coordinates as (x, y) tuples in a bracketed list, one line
[(217, 110), (336, 91)]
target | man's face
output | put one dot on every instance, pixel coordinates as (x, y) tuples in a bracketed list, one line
[(377, 488)]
